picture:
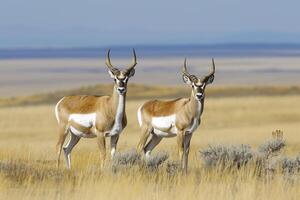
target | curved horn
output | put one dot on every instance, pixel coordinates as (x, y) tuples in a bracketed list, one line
[(193, 78), (133, 62), (212, 70), (184, 70), (109, 65)]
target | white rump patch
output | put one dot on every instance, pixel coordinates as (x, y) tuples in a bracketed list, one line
[(86, 120), (139, 115), (56, 110)]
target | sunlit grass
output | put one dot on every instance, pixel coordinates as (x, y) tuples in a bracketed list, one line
[(28, 169), (27, 179)]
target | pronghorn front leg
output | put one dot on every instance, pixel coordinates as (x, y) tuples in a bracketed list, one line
[(102, 147), (183, 142), (186, 150), (113, 145), (180, 137)]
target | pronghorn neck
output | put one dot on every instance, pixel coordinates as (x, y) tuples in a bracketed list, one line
[(195, 106), (118, 101)]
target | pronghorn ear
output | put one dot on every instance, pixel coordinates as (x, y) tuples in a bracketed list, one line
[(186, 79), (209, 79), (131, 73), (111, 74)]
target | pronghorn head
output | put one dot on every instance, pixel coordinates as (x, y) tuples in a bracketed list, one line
[(121, 77), (198, 84)]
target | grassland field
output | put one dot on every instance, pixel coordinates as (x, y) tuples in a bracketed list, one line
[(28, 134)]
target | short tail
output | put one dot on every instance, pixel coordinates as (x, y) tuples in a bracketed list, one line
[(139, 115), (56, 110)]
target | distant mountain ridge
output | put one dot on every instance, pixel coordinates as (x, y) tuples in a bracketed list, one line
[(145, 51)]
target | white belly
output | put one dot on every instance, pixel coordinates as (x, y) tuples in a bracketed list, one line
[(164, 126), (85, 120), (89, 121)]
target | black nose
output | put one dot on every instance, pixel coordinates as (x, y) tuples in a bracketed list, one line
[(199, 96), (121, 89)]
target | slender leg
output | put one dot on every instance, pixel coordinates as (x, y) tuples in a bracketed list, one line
[(186, 150), (68, 148), (102, 147), (154, 141), (113, 145), (61, 139), (180, 137), (145, 134)]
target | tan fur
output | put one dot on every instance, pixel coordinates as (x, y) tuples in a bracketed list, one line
[(103, 106), (179, 117), (105, 115), (164, 108), (186, 112), (183, 108)]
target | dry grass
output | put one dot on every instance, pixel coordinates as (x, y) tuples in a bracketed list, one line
[(27, 154)]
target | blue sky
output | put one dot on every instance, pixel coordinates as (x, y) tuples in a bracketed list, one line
[(74, 23)]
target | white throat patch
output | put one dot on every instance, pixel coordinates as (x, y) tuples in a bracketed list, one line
[(117, 128)]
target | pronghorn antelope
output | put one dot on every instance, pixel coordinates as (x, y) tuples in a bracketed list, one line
[(179, 117), (94, 116)]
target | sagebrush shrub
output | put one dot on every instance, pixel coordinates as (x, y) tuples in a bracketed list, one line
[(264, 158), (227, 156)]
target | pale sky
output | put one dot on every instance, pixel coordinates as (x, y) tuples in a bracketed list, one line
[(82, 23)]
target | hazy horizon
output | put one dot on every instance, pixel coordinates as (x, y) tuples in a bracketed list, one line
[(164, 45), (158, 51)]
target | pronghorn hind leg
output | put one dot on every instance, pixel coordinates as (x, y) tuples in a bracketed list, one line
[(154, 141), (113, 145), (102, 147), (68, 148), (145, 131), (63, 131)]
